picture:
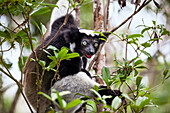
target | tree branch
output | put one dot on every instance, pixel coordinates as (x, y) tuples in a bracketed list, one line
[(134, 13)]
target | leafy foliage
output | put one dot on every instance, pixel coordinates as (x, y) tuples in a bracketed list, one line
[(127, 73)]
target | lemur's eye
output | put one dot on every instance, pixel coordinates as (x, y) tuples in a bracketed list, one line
[(96, 44), (84, 43)]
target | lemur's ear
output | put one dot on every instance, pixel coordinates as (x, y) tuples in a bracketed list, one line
[(104, 36)]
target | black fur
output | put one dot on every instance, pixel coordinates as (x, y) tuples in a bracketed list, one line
[(104, 91), (68, 35)]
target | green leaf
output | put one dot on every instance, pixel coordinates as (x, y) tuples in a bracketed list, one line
[(116, 103), (96, 32), (138, 62), (42, 63), (134, 36), (135, 72), (43, 29), (146, 44), (155, 39), (165, 32), (165, 72), (73, 104), (96, 93), (54, 95), (70, 55), (63, 52), (50, 5), (21, 62), (120, 63), (106, 73), (127, 97), (5, 34), (106, 76), (51, 65), (96, 88), (60, 100), (115, 35), (146, 53), (41, 10), (6, 62), (91, 106), (146, 29), (52, 48), (141, 67), (31, 59), (36, 24), (154, 22), (45, 95), (138, 81), (84, 96), (142, 101)]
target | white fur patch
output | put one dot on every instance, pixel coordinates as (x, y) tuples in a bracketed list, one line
[(88, 32), (72, 46), (77, 83)]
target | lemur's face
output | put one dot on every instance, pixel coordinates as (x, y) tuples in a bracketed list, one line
[(89, 46), (88, 43)]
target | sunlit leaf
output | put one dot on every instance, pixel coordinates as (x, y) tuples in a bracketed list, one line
[(141, 67), (5, 34), (43, 29), (62, 52), (138, 62), (31, 59), (50, 5), (146, 53), (146, 44), (40, 11), (60, 100), (142, 101), (116, 103), (91, 106), (73, 104), (45, 95), (135, 72), (138, 81), (134, 36), (145, 29), (127, 97), (70, 55), (42, 63), (52, 47)]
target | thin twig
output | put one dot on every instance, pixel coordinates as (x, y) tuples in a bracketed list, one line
[(134, 13), (14, 103), (107, 16), (18, 84), (130, 88), (139, 9), (7, 49), (65, 22), (2, 90), (120, 85)]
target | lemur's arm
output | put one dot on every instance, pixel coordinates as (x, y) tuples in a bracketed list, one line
[(84, 62)]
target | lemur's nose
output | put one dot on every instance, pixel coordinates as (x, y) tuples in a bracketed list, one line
[(91, 51)]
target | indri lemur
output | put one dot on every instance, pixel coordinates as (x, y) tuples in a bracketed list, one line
[(84, 42)]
